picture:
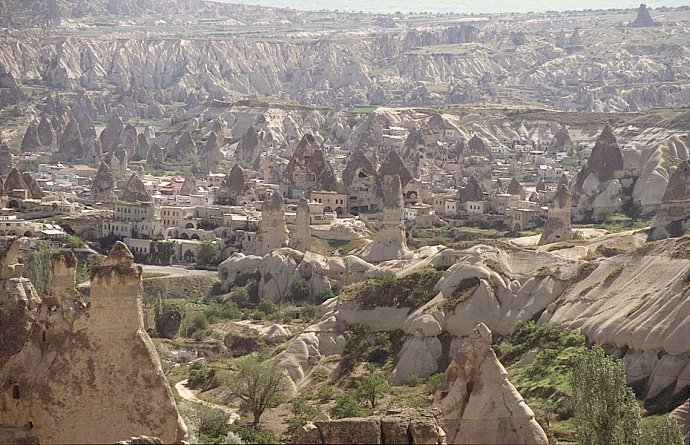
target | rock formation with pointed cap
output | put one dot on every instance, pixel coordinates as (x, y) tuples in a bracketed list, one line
[(273, 233), (232, 187), (248, 149), (301, 237), (33, 186), (6, 159), (673, 219), (479, 405), (643, 19), (15, 181), (135, 191), (394, 165), (103, 187), (101, 362), (390, 242), (189, 187), (308, 168), (558, 226)]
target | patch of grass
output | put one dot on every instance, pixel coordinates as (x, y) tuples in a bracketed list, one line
[(462, 292), (545, 382), (410, 291)]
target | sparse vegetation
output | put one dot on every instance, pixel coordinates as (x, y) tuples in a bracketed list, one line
[(410, 291), (464, 290)]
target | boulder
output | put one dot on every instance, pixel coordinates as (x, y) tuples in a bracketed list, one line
[(168, 321)]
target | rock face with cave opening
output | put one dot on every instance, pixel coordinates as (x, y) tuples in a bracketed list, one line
[(80, 365)]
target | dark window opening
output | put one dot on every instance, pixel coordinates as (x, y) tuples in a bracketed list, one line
[(15, 392), (44, 336)]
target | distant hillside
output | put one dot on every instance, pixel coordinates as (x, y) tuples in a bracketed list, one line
[(24, 13)]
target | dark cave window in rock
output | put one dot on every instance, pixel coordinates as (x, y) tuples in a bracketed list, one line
[(15, 392), (44, 336)]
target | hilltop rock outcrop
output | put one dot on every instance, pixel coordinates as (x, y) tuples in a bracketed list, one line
[(33, 187), (644, 18)]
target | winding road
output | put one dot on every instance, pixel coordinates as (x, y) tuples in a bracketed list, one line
[(188, 394)]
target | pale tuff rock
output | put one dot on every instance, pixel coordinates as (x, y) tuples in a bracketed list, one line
[(6, 159), (273, 232), (560, 142), (31, 141), (308, 168), (15, 181), (598, 184), (248, 149), (644, 18), (184, 147), (33, 187), (557, 226), (478, 147), (478, 403), (393, 165), (361, 180), (390, 242), (18, 304), (673, 219), (70, 147), (301, 238), (232, 188), (103, 187), (46, 133), (472, 191), (135, 191), (189, 186), (515, 188), (110, 136), (155, 157), (396, 427), (80, 365)]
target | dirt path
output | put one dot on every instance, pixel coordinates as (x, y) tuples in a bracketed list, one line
[(188, 394)]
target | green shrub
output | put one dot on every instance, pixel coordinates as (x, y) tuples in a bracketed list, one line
[(660, 430), (196, 323), (251, 435), (432, 383), (346, 405), (371, 387), (266, 307), (300, 290)]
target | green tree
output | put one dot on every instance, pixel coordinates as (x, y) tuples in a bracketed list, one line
[(606, 412), (372, 386), (206, 252), (38, 267), (162, 252), (259, 385), (660, 429)]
